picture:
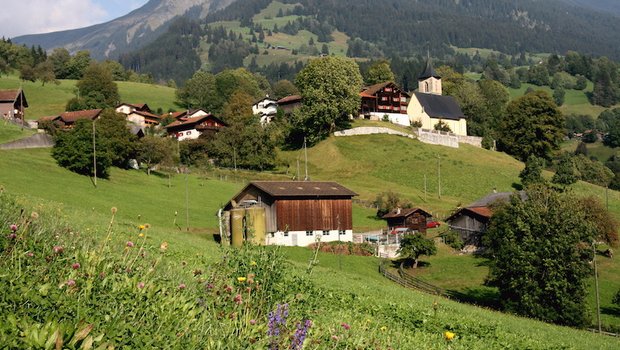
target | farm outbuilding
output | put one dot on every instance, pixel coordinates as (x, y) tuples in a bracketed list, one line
[(413, 219), (290, 213)]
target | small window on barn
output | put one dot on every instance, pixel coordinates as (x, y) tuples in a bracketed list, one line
[(325, 233), (342, 232), (188, 133), (285, 233), (309, 233)]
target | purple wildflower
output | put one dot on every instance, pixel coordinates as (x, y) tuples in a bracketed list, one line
[(70, 283), (13, 227), (182, 286), (12, 236), (130, 244), (276, 319), (252, 322), (75, 266), (300, 335), (345, 325), (140, 285), (58, 249)]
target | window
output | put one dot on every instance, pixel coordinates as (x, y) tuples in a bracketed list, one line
[(309, 233), (342, 232), (188, 133), (325, 233), (285, 233)]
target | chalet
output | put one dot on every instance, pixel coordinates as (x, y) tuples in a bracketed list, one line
[(138, 114), (190, 128), (385, 99), (12, 104), (472, 221), (413, 219), (265, 109), (290, 103), (293, 213), (68, 119), (429, 107)]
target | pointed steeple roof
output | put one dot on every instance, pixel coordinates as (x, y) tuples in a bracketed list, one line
[(429, 71)]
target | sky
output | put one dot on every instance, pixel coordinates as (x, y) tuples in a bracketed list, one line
[(20, 17)]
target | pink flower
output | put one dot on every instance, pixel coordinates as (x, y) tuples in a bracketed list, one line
[(228, 288), (58, 249), (130, 244), (238, 299), (345, 325), (12, 236), (13, 227), (140, 285), (75, 266), (182, 286), (70, 283), (252, 322), (30, 254)]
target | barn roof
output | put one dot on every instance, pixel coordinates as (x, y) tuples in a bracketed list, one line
[(483, 207), (193, 121), (438, 106), (289, 99), (403, 213), (12, 96), (303, 189)]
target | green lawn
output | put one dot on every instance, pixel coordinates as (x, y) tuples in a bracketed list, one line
[(51, 99), (10, 132), (597, 149)]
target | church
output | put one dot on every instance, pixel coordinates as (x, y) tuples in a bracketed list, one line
[(429, 107)]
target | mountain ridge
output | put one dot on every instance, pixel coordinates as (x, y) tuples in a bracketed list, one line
[(126, 33)]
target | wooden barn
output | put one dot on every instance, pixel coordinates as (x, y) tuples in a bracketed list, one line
[(12, 104), (296, 212), (472, 221), (413, 219)]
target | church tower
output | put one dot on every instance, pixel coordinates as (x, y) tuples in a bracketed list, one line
[(429, 82)]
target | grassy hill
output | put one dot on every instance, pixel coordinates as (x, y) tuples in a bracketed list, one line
[(359, 296), (51, 99)]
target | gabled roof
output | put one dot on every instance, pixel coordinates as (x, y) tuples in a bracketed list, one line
[(72, 117), (483, 207), (439, 106), (265, 98), (371, 91), (13, 96), (405, 213), (146, 114), (137, 106), (429, 71), (183, 121), (290, 99)]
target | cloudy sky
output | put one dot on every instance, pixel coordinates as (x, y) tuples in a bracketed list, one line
[(19, 17)]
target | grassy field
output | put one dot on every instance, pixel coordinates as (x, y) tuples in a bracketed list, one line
[(51, 99), (10, 132), (597, 149)]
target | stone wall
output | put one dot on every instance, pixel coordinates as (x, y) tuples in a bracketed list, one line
[(368, 130)]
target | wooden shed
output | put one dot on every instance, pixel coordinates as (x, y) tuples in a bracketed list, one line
[(296, 212), (411, 218)]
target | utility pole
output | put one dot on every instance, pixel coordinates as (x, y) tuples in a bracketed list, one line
[(235, 157), (186, 201), (306, 158), (598, 298), (94, 154), (338, 233), (439, 175), (425, 187)]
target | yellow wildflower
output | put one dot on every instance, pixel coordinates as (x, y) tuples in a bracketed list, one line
[(383, 329), (141, 227), (252, 263), (141, 235), (448, 335), (241, 279)]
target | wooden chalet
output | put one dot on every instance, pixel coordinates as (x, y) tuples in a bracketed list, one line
[(12, 104), (290, 103), (385, 98), (413, 219), (472, 221), (190, 128), (296, 212)]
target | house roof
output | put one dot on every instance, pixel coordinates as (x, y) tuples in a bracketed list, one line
[(429, 71), (12, 96), (183, 121), (146, 114), (405, 213), (371, 91), (265, 98), (438, 106), (137, 106), (494, 198), (290, 99), (303, 189), (72, 117)]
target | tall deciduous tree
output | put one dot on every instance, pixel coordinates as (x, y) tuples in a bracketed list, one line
[(330, 89), (566, 173), (532, 125), (540, 251), (379, 72), (96, 89), (532, 173), (413, 246), (198, 92)]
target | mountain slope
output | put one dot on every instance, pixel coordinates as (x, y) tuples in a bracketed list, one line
[(134, 30), (609, 6)]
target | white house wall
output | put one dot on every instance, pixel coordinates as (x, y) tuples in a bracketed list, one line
[(416, 112), (188, 135), (394, 118), (303, 239)]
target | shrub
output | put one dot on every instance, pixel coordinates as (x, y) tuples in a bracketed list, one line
[(453, 239)]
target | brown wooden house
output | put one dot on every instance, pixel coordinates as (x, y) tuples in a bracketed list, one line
[(12, 104), (289, 103), (413, 219), (190, 128), (296, 212), (68, 119), (384, 97)]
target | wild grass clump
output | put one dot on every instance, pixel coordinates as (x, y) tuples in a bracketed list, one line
[(61, 288)]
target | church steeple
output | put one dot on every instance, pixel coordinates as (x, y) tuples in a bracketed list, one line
[(429, 81)]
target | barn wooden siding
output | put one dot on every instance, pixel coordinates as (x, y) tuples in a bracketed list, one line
[(314, 214)]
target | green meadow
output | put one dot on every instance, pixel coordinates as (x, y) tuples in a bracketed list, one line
[(50, 99)]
